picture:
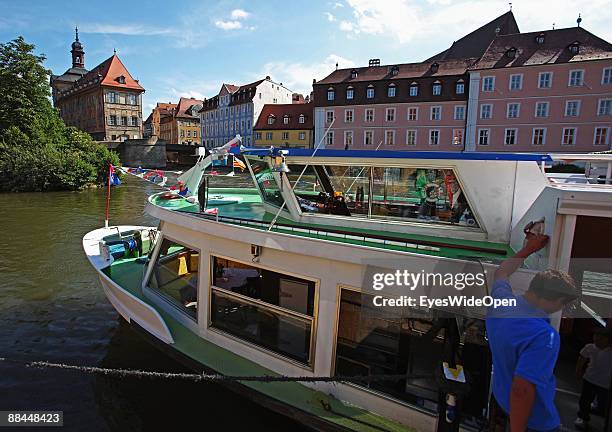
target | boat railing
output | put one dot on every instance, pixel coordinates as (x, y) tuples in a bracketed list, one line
[(597, 170), (338, 234)]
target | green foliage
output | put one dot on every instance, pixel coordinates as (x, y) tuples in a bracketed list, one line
[(38, 152)]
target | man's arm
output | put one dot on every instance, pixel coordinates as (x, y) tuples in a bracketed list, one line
[(535, 242), (522, 396), (581, 365)]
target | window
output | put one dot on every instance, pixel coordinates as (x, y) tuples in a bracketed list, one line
[(112, 97), (513, 110), (483, 137), (572, 108), (369, 115), (329, 116), (269, 136), (459, 112), (516, 82), (348, 116), (411, 137), (266, 308), (569, 136), (112, 120), (510, 137), (413, 113), (270, 119), (329, 138), (576, 78), (331, 95), (368, 138), (175, 276), (391, 90), (350, 92), (124, 121), (545, 80), (389, 137), (436, 89), (286, 119), (348, 139), (435, 113), (195, 133), (390, 114), (601, 136), (132, 99), (301, 119), (266, 183), (488, 84), (606, 76), (370, 92), (133, 121), (460, 87), (604, 107), (538, 136), (458, 136), (188, 134), (285, 136), (434, 137), (541, 109), (486, 111), (302, 136), (414, 90), (257, 135)]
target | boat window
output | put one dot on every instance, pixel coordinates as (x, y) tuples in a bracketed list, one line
[(175, 276), (264, 177), (264, 307), (374, 340), (428, 195)]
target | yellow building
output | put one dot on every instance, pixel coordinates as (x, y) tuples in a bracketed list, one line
[(285, 125), (181, 124)]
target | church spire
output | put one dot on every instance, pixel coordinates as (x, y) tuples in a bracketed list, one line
[(78, 54)]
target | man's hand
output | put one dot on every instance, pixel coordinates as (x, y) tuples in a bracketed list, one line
[(535, 242)]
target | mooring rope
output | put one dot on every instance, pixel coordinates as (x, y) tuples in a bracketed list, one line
[(120, 372)]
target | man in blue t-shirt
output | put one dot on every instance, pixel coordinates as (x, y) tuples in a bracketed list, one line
[(524, 345)]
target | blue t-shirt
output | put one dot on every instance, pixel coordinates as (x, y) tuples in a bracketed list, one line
[(523, 343)]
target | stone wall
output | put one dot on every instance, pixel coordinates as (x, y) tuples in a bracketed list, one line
[(146, 153)]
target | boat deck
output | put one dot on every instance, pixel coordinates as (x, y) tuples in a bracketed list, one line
[(127, 274), (248, 210)]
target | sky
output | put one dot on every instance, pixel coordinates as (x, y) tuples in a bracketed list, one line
[(190, 48)]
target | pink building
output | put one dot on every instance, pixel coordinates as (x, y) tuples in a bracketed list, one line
[(547, 91)]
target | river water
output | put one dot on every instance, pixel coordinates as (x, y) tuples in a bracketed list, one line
[(52, 308)]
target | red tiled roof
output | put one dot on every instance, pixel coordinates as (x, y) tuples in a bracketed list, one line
[(279, 111), (184, 105), (406, 70), (555, 49), (110, 70)]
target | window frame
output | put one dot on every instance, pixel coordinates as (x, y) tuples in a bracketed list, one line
[(455, 112), (607, 140), (370, 92), (488, 130), (599, 105), (415, 137), (484, 79), (533, 133), (365, 133), (365, 115), (569, 78), (603, 76), (391, 87), (482, 109), (429, 136), (510, 77), (547, 104), (416, 113), (567, 104), (435, 108), (389, 110), (518, 110), (393, 137), (550, 81), (346, 134), (574, 136), (515, 130), (348, 111)]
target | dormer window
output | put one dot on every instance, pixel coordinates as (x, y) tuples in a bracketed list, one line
[(354, 73), (331, 94), (285, 119), (436, 89), (391, 90), (575, 47), (121, 79), (414, 89), (370, 92), (540, 39), (394, 70), (434, 67), (350, 93), (301, 119), (270, 119), (460, 87), (511, 52)]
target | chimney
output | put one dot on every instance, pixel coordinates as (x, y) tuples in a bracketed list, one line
[(374, 62)]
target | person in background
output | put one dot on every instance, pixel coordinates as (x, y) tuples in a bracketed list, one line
[(595, 367), (524, 345)]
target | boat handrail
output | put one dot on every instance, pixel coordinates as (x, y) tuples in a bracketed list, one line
[(598, 170), (422, 244)]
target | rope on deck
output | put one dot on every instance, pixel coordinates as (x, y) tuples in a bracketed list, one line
[(204, 377)]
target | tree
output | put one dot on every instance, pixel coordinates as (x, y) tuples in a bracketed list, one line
[(38, 152)]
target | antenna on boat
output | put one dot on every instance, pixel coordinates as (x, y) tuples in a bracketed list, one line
[(301, 174)]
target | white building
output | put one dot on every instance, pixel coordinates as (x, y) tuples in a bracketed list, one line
[(235, 110)]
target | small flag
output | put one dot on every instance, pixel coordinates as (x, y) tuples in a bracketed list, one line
[(212, 211), (114, 178), (239, 164)]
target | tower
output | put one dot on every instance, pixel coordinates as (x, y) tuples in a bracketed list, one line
[(78, 55)]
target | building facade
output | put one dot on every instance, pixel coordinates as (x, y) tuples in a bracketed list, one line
[(548, 91), (180, 123), (285, 125), (160, 110), (105, 102), (235, 110)]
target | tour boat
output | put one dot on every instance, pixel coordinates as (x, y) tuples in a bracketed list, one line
[(277, 280)]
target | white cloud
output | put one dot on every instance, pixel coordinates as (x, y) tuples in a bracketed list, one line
[(337, 5), (346, 26), (228, 25), (330, 17), (239, 14), (298, 76), (127, 29)]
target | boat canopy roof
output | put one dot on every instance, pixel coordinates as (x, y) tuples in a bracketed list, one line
[(391, 154)]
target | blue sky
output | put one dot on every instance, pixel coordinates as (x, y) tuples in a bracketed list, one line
[(189, 48)]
